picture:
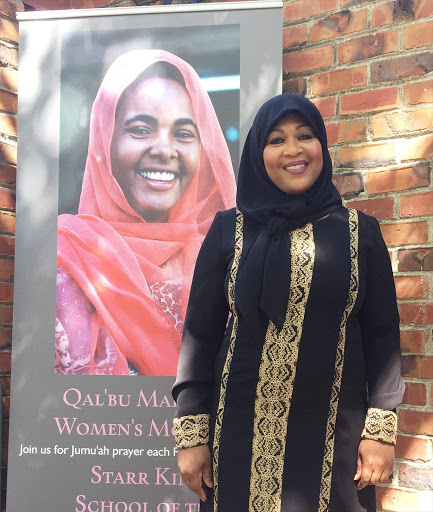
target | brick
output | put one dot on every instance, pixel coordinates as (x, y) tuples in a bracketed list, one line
[(398, 179), (7, 224), (6, 292), (368, 46), (295, 86), (397, 68), (382, 15), (418, 314), (416, 204), (369, 101), (411, 287), (366, 156), (403, 10), (299, 9), (414, 476), (8, 55), (8, 153), (420, 367), (4, 459), (415, 394), (9, 30), (9, 79), (415, 422), (420, 92), (51, 4), (5, 441), (8, 101), (6, 386), (6, 270), (8, 124), (418, 35), (416, 148), (398, 500), (5, 362), (423, 8), (338, 24), (326, 106), (6, 314), (382, 208), (346, 131), (7, 199), (413, 341), (339, 80), (6, 406), (294, 36), (308, 60), (5, 337), (11, 7), (89, 4), (384, 125), (8, 175), (404, 233), (7, 246), (413, 448), (420, 259), (349, 184)]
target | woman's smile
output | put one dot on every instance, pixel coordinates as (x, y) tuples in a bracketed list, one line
[(297, 167), (159, 178)]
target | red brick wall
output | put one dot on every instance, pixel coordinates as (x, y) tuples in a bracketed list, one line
[(8, 157), (368, 65)]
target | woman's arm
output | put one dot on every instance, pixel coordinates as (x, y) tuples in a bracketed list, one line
[(205, 324), (381, 340)]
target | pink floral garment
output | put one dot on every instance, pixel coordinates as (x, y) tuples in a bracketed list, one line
[(77, 321)]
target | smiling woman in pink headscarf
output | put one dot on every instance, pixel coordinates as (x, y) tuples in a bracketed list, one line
[(157, 171)]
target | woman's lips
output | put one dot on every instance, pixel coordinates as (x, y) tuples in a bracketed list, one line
[(297, 167), (158, 179)]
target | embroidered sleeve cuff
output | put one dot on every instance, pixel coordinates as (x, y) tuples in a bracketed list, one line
[(380, 425), (190, 431)]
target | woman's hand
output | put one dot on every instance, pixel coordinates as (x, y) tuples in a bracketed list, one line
[(375, 462), (195, 464)]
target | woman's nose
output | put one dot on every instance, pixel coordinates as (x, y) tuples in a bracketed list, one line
[(292, 146), (162, 147)]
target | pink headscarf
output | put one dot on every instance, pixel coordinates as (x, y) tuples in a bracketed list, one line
[(114, 254)]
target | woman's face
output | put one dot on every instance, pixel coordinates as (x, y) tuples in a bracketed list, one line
[(155, 150), (293, 155)]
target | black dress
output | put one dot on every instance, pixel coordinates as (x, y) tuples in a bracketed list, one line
[(287, 408)]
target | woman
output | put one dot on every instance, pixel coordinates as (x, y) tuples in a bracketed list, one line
[(157, 170), (282, 391)]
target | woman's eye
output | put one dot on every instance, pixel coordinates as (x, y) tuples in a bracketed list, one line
[(305, 136), (184, 135), (139, 131), (276, 140)]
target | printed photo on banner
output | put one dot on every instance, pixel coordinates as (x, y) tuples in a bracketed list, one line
[(149, 137)]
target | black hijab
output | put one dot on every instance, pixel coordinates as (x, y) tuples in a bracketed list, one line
[(264, 279)]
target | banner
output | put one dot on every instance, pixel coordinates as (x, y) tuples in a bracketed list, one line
[(131, 122)]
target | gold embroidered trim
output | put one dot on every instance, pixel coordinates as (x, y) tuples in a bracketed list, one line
[(226, 369), (328, 456), (276, 377), (380, 425), (190, 431)]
